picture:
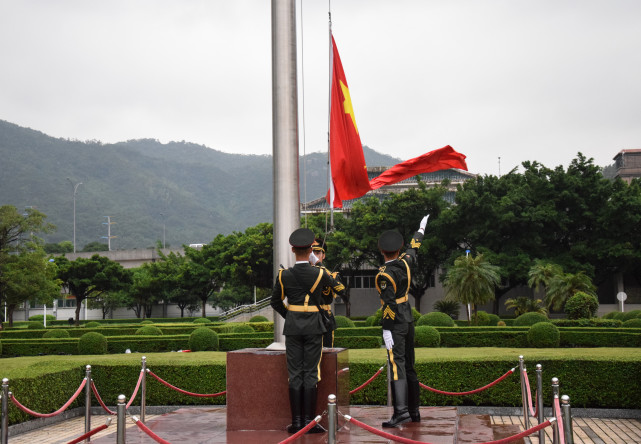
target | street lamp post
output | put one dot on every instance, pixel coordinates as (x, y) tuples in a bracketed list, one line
[(75, 190)]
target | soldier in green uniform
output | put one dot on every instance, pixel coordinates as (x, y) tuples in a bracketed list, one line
[(302, 285), (318, 248), (392, 282)]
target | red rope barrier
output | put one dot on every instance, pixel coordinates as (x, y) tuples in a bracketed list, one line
[(100, 401), (149, 433), (411, 441), (366, 383), (88, 434), (49, 415), (529, 395), (135, 390), (559, 420), (159, 379), (471, 392), (302, 431)]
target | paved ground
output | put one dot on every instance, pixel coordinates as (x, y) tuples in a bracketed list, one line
[(439, 425)]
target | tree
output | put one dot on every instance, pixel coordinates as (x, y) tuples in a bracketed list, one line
[(108, 301), (565, 285), (471, 280), (59, 248), (95, 246), (523, 304), (541, 274), (24, 272), (199, 276), (90, 278)]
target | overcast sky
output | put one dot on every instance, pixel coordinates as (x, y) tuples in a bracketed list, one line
[(520, 80)]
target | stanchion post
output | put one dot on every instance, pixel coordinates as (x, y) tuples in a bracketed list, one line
[(121, 422), (331, 419), (539, 401), (555, 396), (4, 422), (88, 401), (526, 413), (143, 389), (567, 419)]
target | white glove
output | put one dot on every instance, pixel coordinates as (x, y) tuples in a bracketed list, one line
[(313, 259), (423, 224), (387, 337)]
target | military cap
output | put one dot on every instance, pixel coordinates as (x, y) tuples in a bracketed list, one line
[(301, 238), (318, 245), (390, 241)]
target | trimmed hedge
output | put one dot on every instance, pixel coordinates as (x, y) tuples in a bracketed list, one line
[(258, 318), (354, 342), (58, 333), (92, 324), (461, 338), (592, 322), (426, 336), (149, 330), (436, 319), (343, 322), (543, 335), (92, 344)]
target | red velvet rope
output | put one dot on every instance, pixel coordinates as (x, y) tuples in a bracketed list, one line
[(302, 431), (411, 441), (533, 412), (100, 401), (212, 395), (57, 412), (559, 420), (151, 434), (88, 434), (471, 392), (135, 390), (367, 382)]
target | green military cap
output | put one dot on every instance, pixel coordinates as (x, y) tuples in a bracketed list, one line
[(301, 238), (390, 241)]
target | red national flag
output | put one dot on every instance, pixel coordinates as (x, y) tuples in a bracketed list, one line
[(440, 159), (347, 162)]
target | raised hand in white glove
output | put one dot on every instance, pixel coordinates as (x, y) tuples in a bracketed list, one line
[(423, 224), (313, 259), (387, 337)]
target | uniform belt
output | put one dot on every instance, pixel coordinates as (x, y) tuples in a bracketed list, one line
[(303, 308), (398, 301), (326, 307)]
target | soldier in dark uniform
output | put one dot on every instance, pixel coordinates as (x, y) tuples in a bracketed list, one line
[(302, 285), (392, 282), (318, 248)]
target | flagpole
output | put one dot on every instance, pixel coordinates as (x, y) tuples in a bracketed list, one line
[(329, 117)]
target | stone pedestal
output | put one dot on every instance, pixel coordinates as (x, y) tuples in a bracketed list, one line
[(258, 392)]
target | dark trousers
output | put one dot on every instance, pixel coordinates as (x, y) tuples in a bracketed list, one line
[(304, 354), (402, 357)]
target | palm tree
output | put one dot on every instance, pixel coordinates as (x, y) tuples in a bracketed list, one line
[(471, 280), (541, 274), (523, 304), (562, 286)]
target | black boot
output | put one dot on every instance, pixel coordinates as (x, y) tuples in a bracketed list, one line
[(401, 415), (309, 407), (414, 400), (296, 406)]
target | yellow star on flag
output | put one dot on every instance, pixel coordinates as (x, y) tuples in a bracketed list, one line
[(347, 104)]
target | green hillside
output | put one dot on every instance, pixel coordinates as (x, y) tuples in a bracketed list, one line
[(199, 191)]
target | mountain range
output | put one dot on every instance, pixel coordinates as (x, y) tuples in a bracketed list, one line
[(186, 192)]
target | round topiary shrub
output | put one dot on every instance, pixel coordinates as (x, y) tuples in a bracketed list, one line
[(581, 306), (632, 323), (40, 318), (92, 324), (416, 314), (494, 319), (344, 322), (436, 319), (426, 336), (378, 318), (201, 321), (481, 318), (370, 321), (633, 314), (543, 335), (57, 333), (149, 330), (146, 322), (203, 339), (92, 343), (529, 319), (619, 315), (500, 324), (243, 328), (34, 325), (610, 315), (258, 318)]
